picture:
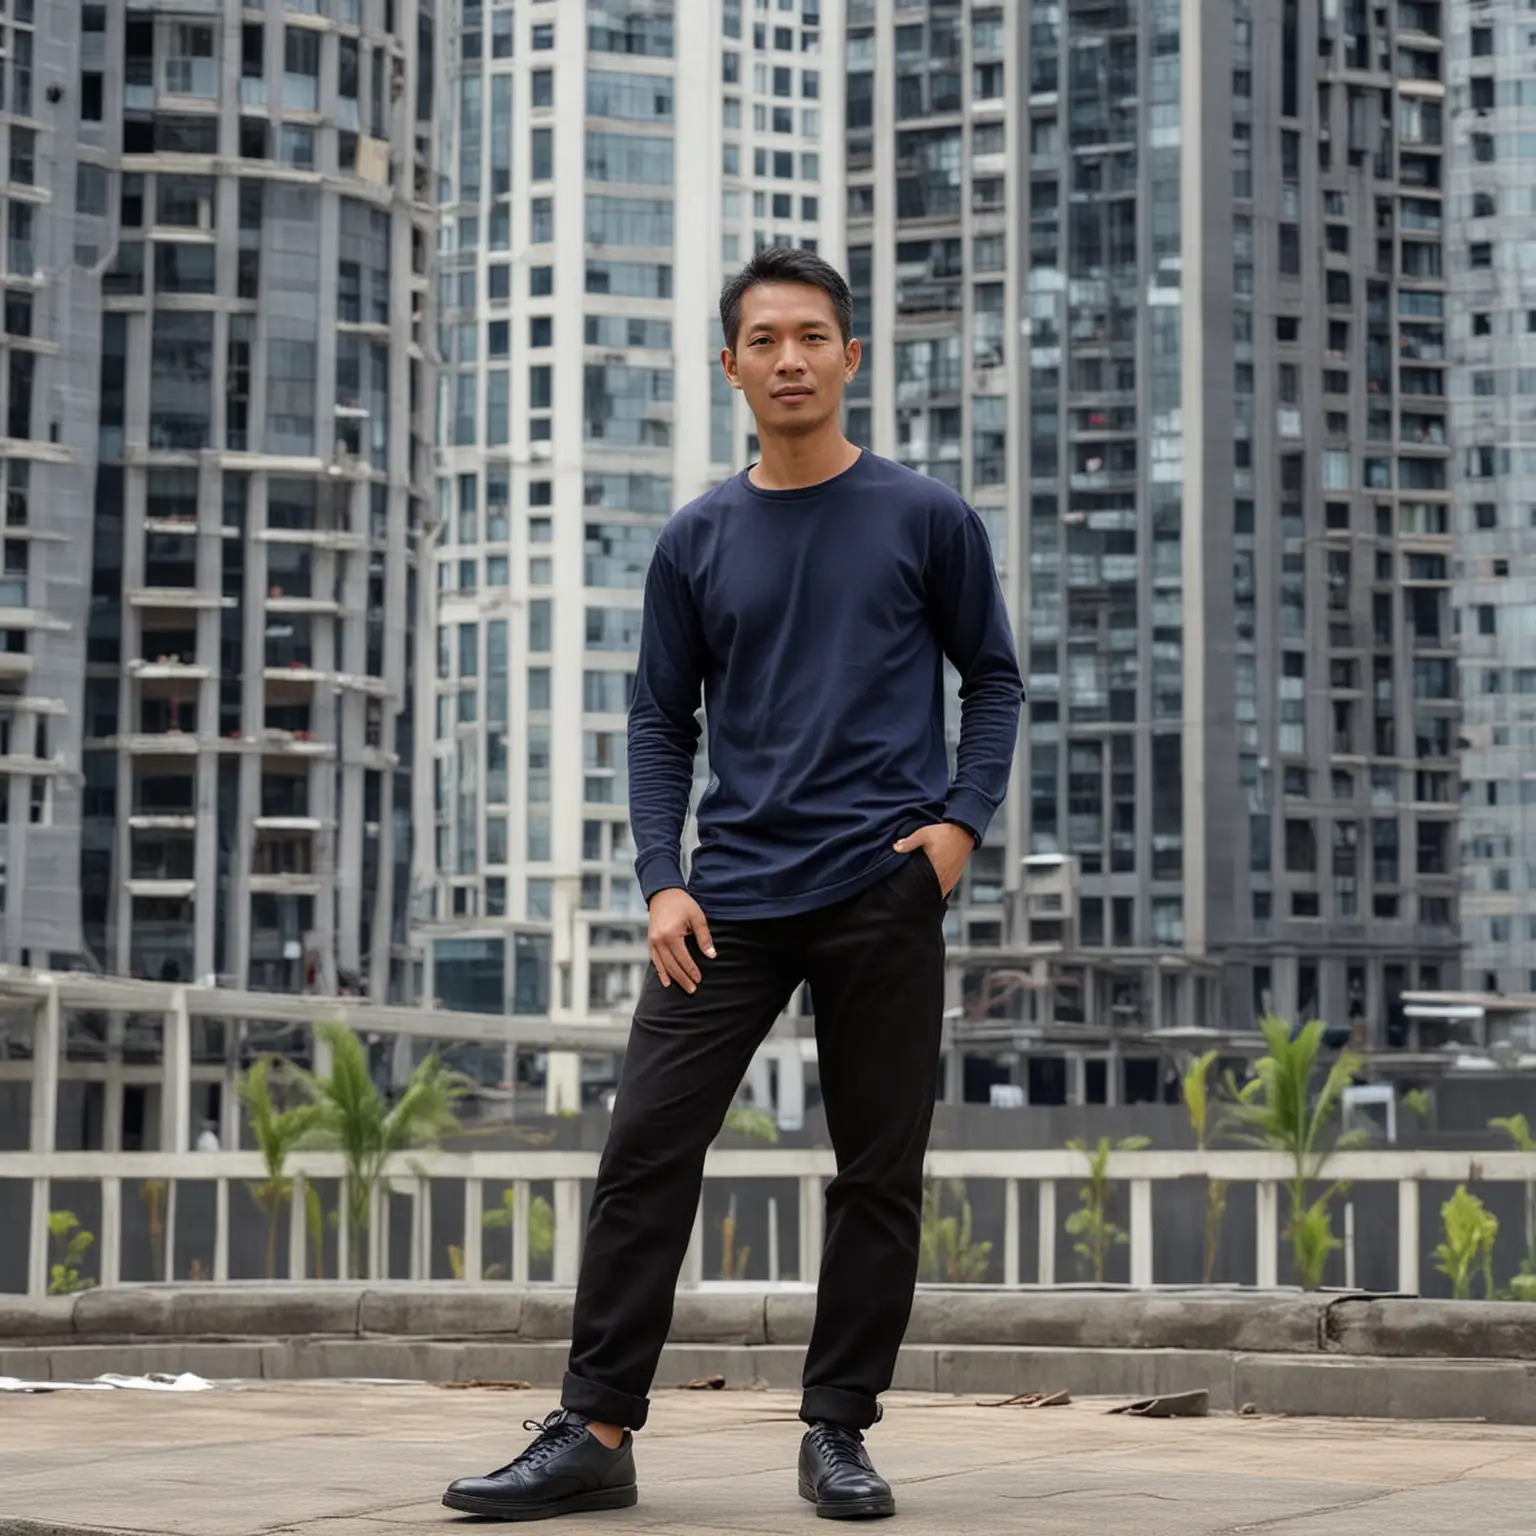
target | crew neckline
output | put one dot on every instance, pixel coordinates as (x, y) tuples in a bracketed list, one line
[(800, 492)]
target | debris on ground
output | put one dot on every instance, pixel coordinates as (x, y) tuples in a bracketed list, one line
[(1172, 1405), (155, 1381), (1249, 1411), (1032, 1400), (704, 1384), (486, 1386)]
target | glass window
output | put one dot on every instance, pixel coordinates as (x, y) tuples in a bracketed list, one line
[(629, 220), (633, 98), (628, 407), (638, 27), (629, 157)]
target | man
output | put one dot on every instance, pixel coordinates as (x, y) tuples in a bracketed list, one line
[(811, 600)]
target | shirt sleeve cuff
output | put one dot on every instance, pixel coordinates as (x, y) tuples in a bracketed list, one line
[(659, 872), (967, 809)]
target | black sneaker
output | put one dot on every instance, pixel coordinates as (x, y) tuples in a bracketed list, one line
[(836, 1476), (566, 1471)]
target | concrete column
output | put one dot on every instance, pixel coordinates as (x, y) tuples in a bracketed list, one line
[(562, 1083), (1047, 1232), (1408, 1236), (790, 1109), (47, 1048), (176, 1077)]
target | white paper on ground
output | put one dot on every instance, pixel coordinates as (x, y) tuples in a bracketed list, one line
[(156, 1381)]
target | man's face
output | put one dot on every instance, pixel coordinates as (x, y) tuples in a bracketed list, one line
[(790, 361)]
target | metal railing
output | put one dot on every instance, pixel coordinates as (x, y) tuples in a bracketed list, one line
[(413, 1177)]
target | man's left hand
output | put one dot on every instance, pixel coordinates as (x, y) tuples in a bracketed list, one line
[(946, 846)]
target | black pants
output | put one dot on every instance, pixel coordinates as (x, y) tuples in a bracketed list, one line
[(875, 964)]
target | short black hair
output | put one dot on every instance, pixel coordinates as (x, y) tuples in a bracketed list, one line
[(784, 264)]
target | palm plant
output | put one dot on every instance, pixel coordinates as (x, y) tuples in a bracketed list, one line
[(1470, 1231), (1276, 1109), (541, 1228), (277, 1133), (1518, 1129), (351, 1116), (1196, 1088), (947, 1251), (743, 1120), (1096, 1235)]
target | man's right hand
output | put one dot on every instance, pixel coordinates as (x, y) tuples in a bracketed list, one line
[(674, 915)]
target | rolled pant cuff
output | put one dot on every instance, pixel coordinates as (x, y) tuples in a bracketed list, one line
[(836, 1405), (602, 1404)]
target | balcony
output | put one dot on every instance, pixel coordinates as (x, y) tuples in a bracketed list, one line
[(283, 860)]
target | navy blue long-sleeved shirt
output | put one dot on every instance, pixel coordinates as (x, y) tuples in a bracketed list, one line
[(816, 622)]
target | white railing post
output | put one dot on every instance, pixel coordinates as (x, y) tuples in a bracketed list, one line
[(298, 1228), (37, 1242), (773, 1240), (1047, 1232), (1266, 1212), (1010, 1231), (221, 1229), (1141, 1232), (111, 1232), (693, 1259), (474, 1231), (47, 1047), (170, 1229), (176, 1077), (1408, 1236), (567, 1231), (421, 1230), (812, 1217), (343, 1230), (522, 1245), (378, 1234)]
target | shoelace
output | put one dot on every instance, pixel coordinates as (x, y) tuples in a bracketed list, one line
[(555, 1433), (839, 1445)]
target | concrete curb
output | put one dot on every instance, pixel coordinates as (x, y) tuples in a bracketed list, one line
[(1241, 1322), (1500, 1392), (1338, 1355)]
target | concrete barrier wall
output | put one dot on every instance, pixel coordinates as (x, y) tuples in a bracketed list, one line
[(1280, 1352)]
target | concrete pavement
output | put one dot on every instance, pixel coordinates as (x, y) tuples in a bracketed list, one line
[(351, 1459)]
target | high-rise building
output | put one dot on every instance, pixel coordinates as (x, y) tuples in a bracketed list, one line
[(1159, 287), (243, 412), (47, 366), (605, 167), (1492, 262)]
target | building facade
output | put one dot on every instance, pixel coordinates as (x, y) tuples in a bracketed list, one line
[(253, 394), (47, 454), (1164, 289), (603, 168), (1493, 341)]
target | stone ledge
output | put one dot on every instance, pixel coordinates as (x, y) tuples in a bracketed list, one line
[(1264, 1323), (1500, 1392)]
